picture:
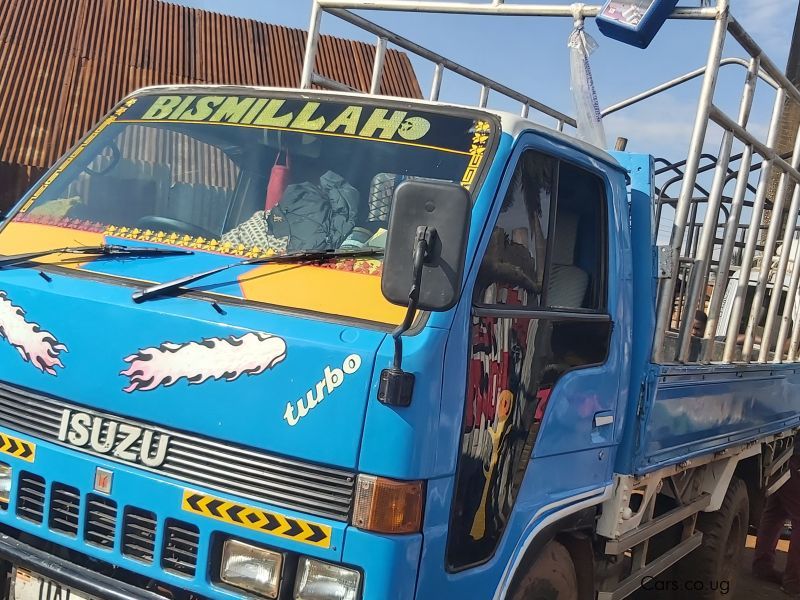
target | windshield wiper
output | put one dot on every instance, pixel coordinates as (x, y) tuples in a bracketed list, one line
[(101, 250), (292, 257)]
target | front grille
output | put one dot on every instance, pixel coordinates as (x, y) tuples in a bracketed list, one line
[(30, 497), (179, 553), (139, 534), (253, 474), (101, 521), (65, 504)]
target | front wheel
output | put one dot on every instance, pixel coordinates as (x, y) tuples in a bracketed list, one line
[(709, 573), (551, 577)]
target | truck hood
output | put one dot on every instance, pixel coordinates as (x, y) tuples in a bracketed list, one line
[(281, 383)]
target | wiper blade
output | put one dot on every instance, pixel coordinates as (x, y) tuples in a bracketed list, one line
[(292, 257), (101, 250)]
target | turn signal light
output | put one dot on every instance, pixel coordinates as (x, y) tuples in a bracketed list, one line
[(388, 506)]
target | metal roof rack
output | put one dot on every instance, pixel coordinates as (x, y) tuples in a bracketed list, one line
[(441, 63), (342, 9)]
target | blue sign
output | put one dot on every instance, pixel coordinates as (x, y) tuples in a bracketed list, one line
[(634, 22)]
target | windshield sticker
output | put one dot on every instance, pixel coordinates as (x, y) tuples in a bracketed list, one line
[(34, 344), (480, 138), (359, 121), (331, 379), (62, 167), (63, 222), (188, 241), (211, 358), (356, 265)]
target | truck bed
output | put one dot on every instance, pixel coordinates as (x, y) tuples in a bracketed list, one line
[(686, 411)]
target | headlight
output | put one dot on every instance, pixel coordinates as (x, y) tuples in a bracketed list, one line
[(317, 580), (5, 482), (251, 568)]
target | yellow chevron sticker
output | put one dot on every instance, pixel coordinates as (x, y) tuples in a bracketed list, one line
[(17, 447), (256, 519)]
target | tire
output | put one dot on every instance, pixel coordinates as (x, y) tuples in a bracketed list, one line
[(551, 577), (710, 572)]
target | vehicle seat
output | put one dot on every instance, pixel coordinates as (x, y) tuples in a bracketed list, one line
[(381, 192), (381, 195), (568, 283), (123, 194), (113, 200)]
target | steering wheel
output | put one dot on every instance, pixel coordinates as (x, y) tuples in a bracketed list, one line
[(168, 224), (115, 156)]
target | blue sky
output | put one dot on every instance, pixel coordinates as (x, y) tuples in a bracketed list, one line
[(530, 54)]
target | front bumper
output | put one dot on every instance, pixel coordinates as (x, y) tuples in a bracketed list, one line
[(68, 573), (389, 563)]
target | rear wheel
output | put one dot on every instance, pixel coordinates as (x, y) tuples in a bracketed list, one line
[(709, 573), (551, 577)]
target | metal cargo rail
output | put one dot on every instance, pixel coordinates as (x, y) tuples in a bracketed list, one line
[(758, 231)]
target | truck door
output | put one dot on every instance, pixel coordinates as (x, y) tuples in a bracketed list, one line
[(539, 351)]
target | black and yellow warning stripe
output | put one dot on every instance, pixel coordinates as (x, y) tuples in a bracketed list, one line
[(17, 447), (256, 519)]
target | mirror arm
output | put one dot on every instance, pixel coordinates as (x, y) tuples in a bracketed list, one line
[(396, 386), (424, 242)]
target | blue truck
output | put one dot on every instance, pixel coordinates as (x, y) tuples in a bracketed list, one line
[(317, 344)]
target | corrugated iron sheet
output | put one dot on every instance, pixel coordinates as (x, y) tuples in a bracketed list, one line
[(64, 63), (15, 181)]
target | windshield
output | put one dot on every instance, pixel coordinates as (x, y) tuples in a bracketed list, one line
[(250, 176)]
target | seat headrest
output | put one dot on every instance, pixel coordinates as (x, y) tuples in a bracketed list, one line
[(565, 237), (381, 192)]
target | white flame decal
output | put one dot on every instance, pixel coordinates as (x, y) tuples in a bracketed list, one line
[(34, 344), (212, 358)]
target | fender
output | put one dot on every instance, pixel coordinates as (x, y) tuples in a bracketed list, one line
[(541, 530)]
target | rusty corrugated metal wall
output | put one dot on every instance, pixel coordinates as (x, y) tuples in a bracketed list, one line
[(64, 63)]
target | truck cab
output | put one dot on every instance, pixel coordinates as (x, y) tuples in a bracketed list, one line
[(175, 434)]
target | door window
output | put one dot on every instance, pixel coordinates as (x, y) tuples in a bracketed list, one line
[(539, 312)]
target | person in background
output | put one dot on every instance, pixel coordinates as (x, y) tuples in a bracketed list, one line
[(782, 505), (698, 331)]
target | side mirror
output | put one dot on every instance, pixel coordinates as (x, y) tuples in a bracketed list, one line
[(441, 212), (423, 264)]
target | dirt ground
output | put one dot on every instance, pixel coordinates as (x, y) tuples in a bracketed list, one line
[(750, 588)]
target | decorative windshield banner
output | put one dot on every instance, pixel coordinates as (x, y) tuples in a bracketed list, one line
[(445, 132), (480, 138)]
